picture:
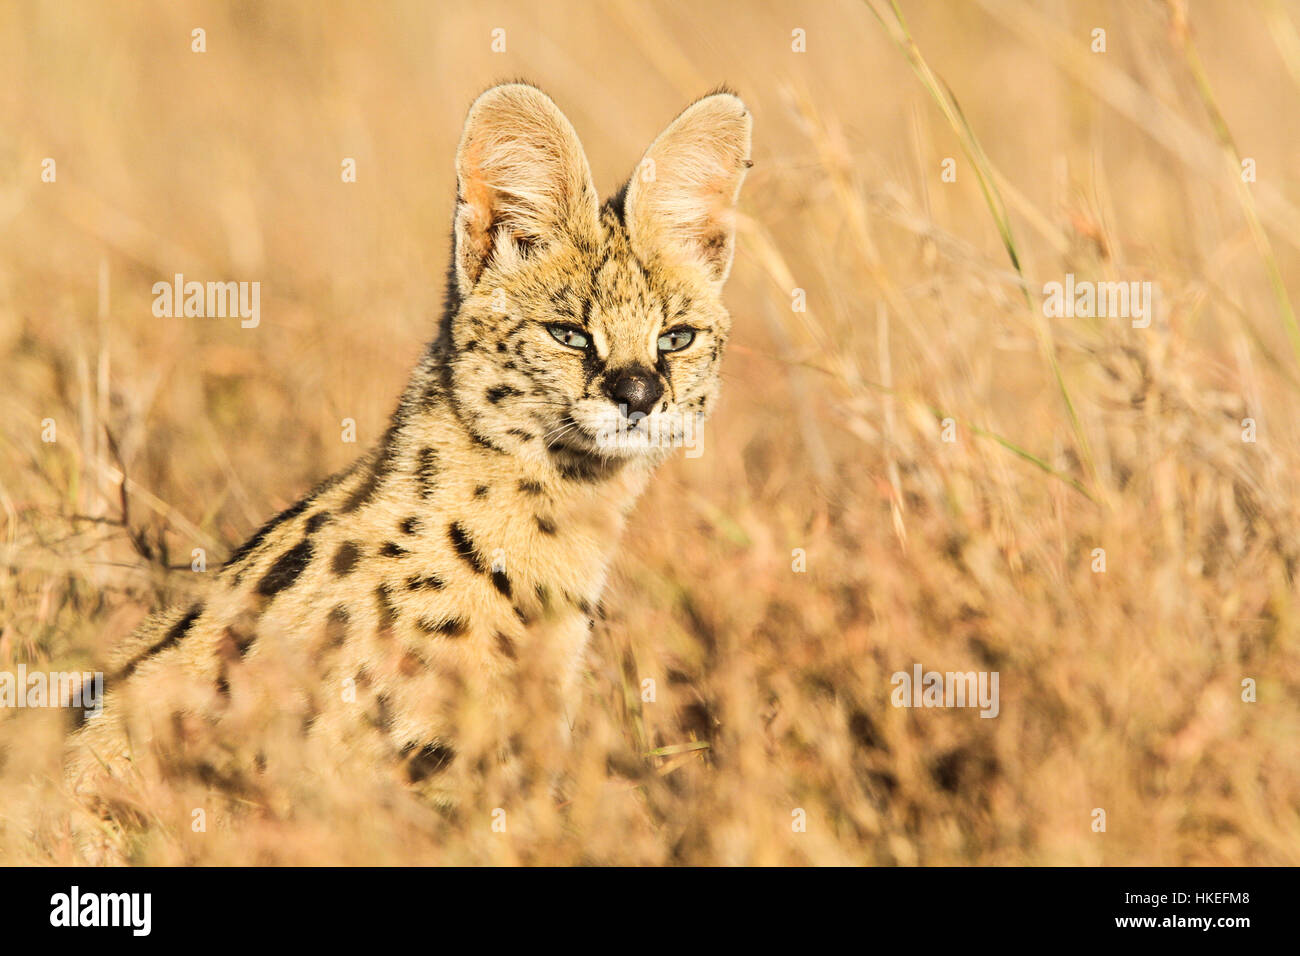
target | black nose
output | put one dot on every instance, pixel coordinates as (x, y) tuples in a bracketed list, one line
[(637, 389)]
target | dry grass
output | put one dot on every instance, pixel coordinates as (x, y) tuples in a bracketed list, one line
[(1119, 690)]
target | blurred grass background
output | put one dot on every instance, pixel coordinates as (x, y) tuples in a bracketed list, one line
[(1119, 690)]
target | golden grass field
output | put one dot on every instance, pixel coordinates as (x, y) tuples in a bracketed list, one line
[(1119, 690)]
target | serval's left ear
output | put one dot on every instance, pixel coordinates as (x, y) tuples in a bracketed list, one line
[(681, 201)]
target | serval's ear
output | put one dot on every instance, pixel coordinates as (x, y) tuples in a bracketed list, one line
[(523, 182), (680, 202)]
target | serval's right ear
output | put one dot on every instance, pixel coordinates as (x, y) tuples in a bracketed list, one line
[(523, 182)]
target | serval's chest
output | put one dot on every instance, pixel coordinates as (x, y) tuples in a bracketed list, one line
[(424, 579)]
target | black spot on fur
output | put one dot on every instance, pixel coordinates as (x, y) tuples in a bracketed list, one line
[(715, 245), (481, 491), (432, 759), (483, 442), (345, 558), (75, 720), (963, 770), (545, 525), (182, 627), (865, 732), (286, 569), (586, 469), (259, 536), (429, 583), (374, 477), (530, 487), (450, 626), (410, 525), (501, 583), (465, 547), (426, 471), (315, 521), (229, 781), (336, 627), (387, 610), (496, 393), (392, 550), (617, 204), (501, 346), (170, 639), (506, 646), (383, 717), (521, 434)]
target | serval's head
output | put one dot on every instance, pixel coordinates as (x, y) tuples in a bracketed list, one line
[(584, 328)]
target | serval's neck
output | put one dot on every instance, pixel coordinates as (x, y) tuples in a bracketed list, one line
[(431, 415)]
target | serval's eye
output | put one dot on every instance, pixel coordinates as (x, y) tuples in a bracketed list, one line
[(568, 335), (674, 340)]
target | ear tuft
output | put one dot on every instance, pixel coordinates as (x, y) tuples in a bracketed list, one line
[(523, 181), (680, 202)]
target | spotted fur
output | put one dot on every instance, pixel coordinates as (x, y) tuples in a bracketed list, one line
[(436, 561)]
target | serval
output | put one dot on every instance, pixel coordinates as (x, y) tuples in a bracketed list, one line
[(580, 342)]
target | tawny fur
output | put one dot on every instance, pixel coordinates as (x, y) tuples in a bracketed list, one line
[(474, 541)]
